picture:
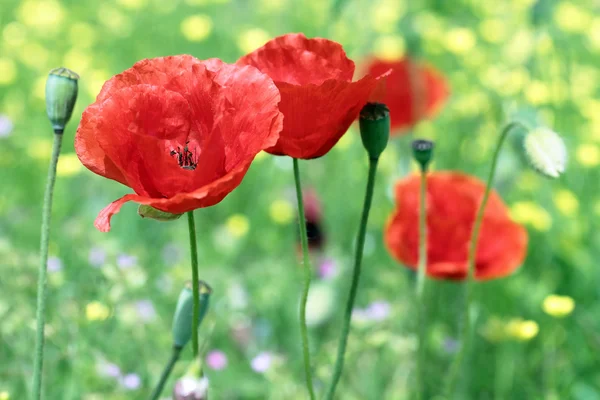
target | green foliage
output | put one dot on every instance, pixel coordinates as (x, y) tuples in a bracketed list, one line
[(498, 63)]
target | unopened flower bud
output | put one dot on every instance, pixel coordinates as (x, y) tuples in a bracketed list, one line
[(61, 94), (374, 124), (182, 321), (422, 152), (145, 211), (546, 152)]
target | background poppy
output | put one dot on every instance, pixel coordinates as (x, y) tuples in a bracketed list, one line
[(452, 202), (412, 91)]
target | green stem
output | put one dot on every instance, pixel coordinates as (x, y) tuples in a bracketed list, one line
[(166, 372), (421, 278), (43, 268), (307, 276), (454, 373), (195, 282), (360, 242)]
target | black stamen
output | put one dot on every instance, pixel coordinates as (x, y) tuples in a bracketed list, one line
[(185, 158)]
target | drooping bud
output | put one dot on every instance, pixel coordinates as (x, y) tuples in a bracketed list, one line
[(145, 211), (182, 320), (374, 124), (422, 152), (546, 152), (61, 94)]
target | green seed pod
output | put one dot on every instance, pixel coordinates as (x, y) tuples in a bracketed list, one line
[(374, 124), (61, 94), (182, 320), (422, 152), (145, 211)]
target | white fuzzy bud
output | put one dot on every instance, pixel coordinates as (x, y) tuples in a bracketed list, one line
[(546, 152)]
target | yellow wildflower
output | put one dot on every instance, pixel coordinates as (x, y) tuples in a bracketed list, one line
[(522, 330), (558, 306), (96, 311), (238, 225), (282, 212)]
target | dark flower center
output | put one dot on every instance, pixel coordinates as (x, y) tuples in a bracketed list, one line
[(185, 158)]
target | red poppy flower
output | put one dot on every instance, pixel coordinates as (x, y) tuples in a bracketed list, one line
[(452, 202), (319, 101), (412, 91), (179, 131)]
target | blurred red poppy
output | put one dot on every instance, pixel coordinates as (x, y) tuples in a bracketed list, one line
[(314, 221), (319, 101), (452, 202), (179, 131), (412, 91)]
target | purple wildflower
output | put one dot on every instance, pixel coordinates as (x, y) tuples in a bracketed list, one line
[(262, 362), (6, 126), (379, 311), (145, 310), (131, 381), (54, 264), (97, 257), (125, 261), (216, 360), (109, 370), (328, 269)]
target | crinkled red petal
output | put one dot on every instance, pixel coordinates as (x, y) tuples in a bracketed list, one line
[(317, 116), (297, 60)]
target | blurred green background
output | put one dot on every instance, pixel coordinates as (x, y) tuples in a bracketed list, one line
[(112, 295)]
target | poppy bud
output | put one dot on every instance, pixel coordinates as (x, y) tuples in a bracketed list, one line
[(422, 152), (546, 152), (145, 211), (61, 94), (374, 124), (182, 321)]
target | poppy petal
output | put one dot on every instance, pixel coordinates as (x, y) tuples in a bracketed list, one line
[(316, 117), (137, 127), (205, 196), (171, 73), (89, 151), (314, 60)]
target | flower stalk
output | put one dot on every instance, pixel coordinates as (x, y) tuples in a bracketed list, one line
[(455, 368), (195, 282), (42, 286), (306, 286), (375, 131), (422, 152), (61, 94), (166, 372)]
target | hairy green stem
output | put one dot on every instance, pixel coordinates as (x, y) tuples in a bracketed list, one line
[(195, 282), (166, 372), (360, 243), (421, 278), (43, 268), (454, 373), (307, 277)]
